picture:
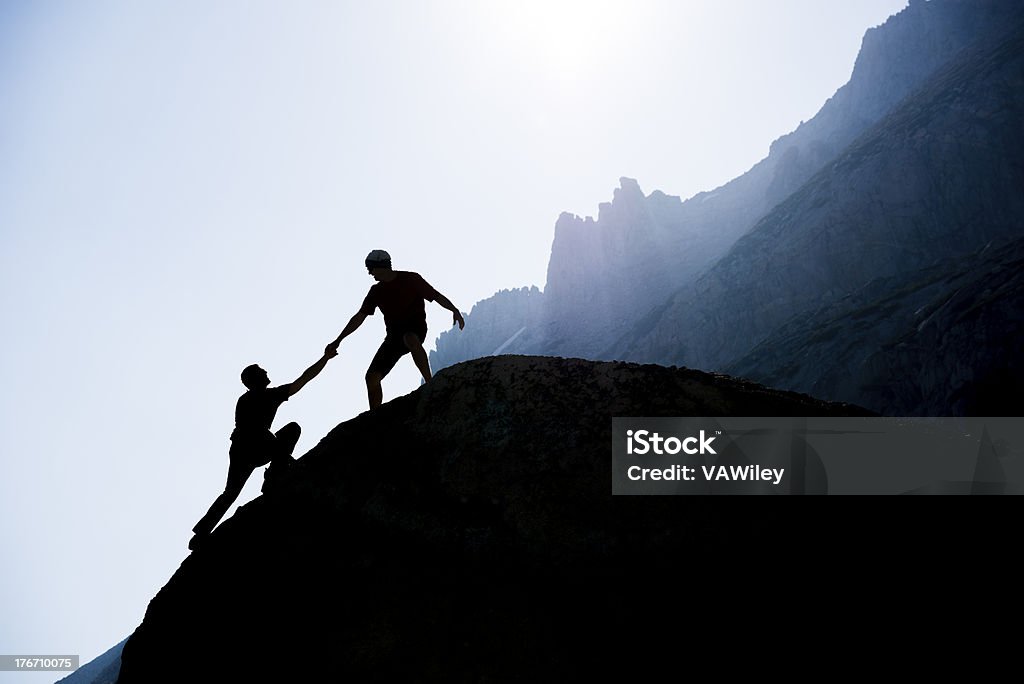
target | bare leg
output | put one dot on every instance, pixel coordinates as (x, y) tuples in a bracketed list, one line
[(373, 389), (238, 473), (419, 355)]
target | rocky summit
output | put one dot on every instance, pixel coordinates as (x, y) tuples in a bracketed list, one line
[(465, 532)]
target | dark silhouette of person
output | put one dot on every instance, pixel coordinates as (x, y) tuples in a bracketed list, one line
[(252, 442), (400, 296)]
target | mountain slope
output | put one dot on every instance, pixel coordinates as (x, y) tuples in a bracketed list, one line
[(464, 532), (103, 669), (607, 277), (947, 340), (936, 181)]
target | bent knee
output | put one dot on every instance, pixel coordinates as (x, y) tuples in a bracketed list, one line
[(373, 377), (411, 340)]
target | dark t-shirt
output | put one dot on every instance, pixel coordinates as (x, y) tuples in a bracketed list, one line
[(255, 411), (401, 302)]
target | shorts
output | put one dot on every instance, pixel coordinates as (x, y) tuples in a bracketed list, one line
[(392, 349), (255, 449)]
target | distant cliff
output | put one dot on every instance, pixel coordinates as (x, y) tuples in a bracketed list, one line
[(506, 323), (465, 532), (928, 195), (915, 161), (945, 339)]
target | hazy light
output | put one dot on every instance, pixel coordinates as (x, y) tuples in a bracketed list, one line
[(189, 187)]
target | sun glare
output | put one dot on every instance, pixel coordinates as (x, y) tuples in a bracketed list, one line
[(566, 39)]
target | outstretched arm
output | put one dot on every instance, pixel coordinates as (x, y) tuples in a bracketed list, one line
[(312, 371), (456, 314), (353, 323)]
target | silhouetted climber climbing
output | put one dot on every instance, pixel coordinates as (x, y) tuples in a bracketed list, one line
[(399, 295), (252, 443)]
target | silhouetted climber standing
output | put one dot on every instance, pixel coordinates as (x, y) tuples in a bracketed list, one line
[(399, 295), (252, 442)]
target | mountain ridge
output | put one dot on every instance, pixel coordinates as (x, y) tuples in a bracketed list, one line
[(821, 244)]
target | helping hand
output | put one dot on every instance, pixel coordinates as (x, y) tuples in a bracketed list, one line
[(457, 318)]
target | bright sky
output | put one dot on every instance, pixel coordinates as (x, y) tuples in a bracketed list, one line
[(190, 187)]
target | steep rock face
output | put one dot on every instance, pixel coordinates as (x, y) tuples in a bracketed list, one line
[(464, 532), (610, 277), (895, 59), (936, 181), (624, 246), (949, 338)]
